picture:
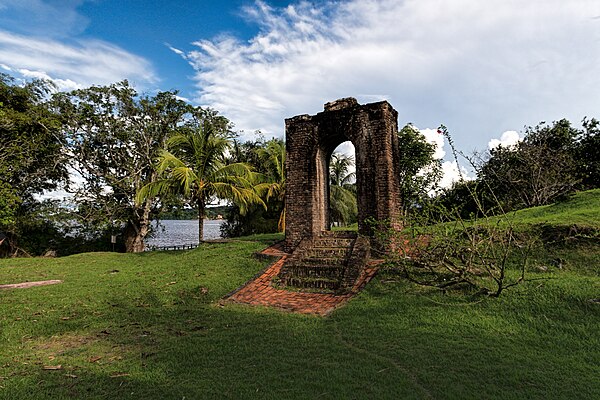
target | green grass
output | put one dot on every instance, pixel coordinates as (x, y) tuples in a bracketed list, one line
[(582, 208), (150, 326)]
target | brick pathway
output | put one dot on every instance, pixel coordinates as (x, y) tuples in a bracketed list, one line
[(260, 292)]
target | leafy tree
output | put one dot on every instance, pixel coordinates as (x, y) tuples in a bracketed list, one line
[(339, 170), (272, 165), (461, 200), (195, 166), (419, 171), (267, 159), (113, 137), (342, 193), (536, 170), (587, 155), (30, 153)]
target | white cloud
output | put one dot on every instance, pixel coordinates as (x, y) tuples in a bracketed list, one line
[(346, 148), (181, 98), (478, 67), (452, 172), (176, 50), (508, 138), (85, 63), (437, 139), (61, 84)]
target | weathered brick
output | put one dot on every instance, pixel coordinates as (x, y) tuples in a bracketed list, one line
[(310, 141)]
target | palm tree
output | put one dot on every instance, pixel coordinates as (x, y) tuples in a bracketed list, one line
[(193, 165), (338, 170), (272, 157), (342, 198)]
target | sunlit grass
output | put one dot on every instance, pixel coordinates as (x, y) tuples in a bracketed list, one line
[(151, 326)]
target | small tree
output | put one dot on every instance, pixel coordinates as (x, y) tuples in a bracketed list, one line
[(476, 254), (587, 155)]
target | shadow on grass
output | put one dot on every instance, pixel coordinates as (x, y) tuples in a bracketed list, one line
[(160, 333), (196, 349)]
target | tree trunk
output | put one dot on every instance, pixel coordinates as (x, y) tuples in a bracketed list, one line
[(134, 242), (201, 215), (136, 231)]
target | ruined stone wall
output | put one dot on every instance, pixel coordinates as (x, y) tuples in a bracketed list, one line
[(310, 141)]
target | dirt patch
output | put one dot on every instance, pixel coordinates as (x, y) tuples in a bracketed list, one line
[(67, 348), (26, 285), (58, 344)]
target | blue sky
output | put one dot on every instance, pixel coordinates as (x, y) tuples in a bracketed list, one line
[(485, 69), (143, 28)]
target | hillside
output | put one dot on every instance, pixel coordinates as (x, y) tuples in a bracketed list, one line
[(581, 209)]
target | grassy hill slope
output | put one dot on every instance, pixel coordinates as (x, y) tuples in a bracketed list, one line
[(133, 326), (582, 209)]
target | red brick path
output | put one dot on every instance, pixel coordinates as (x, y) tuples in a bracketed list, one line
[(259, 291)]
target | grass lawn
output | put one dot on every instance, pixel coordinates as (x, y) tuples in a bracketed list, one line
[(149, 326)]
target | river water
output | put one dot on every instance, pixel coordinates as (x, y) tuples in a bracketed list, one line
[(180, 232)]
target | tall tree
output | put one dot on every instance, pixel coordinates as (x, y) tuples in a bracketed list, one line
[(31, 160), (194, 165), (267, 159), (419, 170), (113, 138)]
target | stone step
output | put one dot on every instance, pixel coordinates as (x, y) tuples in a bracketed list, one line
[(324, 263), (332, 242), (339, 234), (315, 271), (329, 261), (312, 283), (325, 252)]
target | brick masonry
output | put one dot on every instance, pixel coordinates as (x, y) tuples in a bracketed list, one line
[(310, 141), (312, 257)]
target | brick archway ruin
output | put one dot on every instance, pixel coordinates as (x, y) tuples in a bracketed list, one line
[(310, 141)]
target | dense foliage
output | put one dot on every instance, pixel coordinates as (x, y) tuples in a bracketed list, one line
[(112, 143), (267, 159), (550, 162), (113, 136), (343, 209), (131, 156), (31, 160), (420, 172), (587, 155), (193, 164)]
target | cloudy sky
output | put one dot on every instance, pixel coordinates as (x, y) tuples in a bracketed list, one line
[(485, 69)]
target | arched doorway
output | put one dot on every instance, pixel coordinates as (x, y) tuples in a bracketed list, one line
[(310, 141), (343, 209)]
